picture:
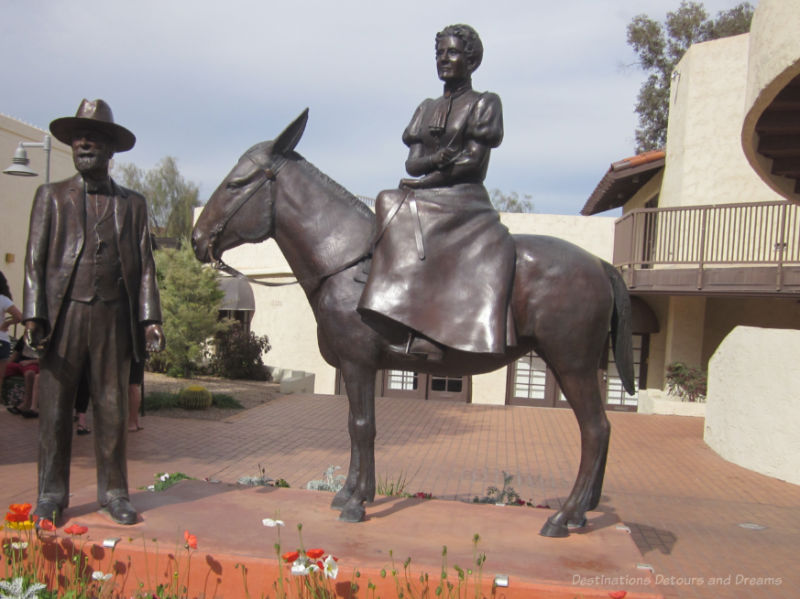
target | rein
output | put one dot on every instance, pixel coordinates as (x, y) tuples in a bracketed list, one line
[(271, 174)]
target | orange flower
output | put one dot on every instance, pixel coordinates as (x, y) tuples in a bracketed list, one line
[(20, 508), (315, 553), (191, 540), (617, 594), (12, 517), (290, 556), (75, 529), (45, 524)]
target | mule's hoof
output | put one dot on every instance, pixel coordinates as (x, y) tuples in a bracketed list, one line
[(353, 514), (576, 523), (554, 530), (339, 501)]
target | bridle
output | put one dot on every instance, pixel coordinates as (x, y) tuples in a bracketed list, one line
[(270, 174)]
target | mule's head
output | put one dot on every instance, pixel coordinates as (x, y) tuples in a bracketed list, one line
[(242, 207)]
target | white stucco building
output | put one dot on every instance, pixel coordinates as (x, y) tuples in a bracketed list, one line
[(16, 193)]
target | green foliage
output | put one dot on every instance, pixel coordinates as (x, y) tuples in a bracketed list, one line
[(511, 202), (330, 481), (160, 400), (690, 384), (392, 487), (659, 47), (223, 401), (262, 480), (507, 495), (163, 400), (238, 354), (190, 301), (170, 198), (164, 480), (195, 397)]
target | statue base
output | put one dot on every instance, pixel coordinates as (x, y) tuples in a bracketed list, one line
[(227, 521)]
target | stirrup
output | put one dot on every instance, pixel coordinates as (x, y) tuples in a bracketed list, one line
[(419, 348)]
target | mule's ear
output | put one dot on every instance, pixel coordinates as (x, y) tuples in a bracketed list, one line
[(287, 140)]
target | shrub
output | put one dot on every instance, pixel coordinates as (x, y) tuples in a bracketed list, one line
[(190, 301), (164, 400), (690, 384), (238, 354), (330, 482), (506, 495)]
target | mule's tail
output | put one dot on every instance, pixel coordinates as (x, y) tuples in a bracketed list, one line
[(621, 328)]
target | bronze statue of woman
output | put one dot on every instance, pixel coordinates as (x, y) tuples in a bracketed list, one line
[(443, 264)]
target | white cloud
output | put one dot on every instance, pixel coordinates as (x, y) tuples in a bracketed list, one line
[(203, 81)]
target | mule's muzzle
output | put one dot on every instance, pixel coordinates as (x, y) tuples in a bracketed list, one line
[(201, 246)]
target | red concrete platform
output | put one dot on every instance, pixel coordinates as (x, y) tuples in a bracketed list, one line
[(227, 521)]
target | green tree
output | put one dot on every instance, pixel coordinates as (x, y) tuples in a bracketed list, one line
[(170, 198), (659, 47), (190, 302), (511, 202)]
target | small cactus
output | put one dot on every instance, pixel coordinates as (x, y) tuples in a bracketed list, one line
[(195, 397)]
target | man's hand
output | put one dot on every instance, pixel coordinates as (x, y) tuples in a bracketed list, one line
[(154, 339)]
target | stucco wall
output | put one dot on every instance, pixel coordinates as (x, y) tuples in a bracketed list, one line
[(724, 314), (285, 316), (16, 194), (753, 405), (684, 330), (773, 61), (705, 163), (593, 233), (649, 190)]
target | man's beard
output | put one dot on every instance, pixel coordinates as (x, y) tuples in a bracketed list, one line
[(88, 164)]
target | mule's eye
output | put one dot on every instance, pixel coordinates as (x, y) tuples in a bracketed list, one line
[(237, 182)]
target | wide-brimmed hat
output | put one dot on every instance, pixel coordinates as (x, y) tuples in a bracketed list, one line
[(96, 116)]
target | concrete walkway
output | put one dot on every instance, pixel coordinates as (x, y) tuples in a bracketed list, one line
[(695, 518)]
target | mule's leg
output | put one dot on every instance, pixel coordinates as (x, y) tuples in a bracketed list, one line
[(344, 494), (360, 484), (582, 390)]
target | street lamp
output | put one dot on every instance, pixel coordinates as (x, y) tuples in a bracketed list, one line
[(19, 164)]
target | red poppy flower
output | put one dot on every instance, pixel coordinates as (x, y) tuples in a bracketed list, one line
[(617, 594), (45, 524), (14, 517), (290, 556), (191, 540), (315, 553), (75, 529), (22, 509)]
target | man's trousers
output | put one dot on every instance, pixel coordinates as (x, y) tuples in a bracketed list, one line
[(92, 340)]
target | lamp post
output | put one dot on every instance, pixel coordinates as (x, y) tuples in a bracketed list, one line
[(19, 164)]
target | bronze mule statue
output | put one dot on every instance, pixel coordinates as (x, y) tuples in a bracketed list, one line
[(564, 302)]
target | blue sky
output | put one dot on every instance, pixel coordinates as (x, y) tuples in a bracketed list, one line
[(203, 81)]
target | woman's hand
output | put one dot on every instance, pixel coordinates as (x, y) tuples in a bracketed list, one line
[(444, 157)]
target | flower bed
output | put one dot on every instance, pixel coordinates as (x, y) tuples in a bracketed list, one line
[(78, 563)]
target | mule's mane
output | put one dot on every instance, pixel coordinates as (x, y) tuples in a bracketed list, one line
[(337, 191)]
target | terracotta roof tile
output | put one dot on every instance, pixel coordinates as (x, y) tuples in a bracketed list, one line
[(624, 178)]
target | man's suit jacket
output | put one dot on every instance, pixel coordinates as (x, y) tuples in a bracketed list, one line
[(55, 241)]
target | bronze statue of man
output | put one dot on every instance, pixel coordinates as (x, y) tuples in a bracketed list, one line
[(90, 294), (443, 264)]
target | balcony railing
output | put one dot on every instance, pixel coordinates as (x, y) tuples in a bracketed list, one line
[(763, 234)]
